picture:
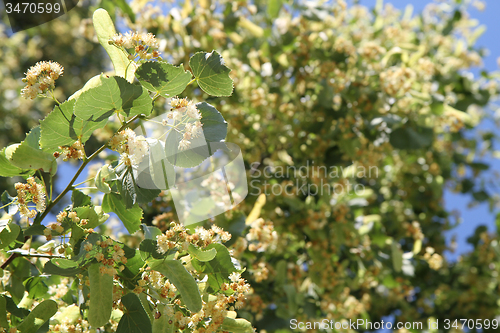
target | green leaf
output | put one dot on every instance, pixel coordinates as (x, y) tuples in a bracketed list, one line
[(236, 325), (145, 195), (457, 15), (14, 310), (202, 255), (105, 29), (148, 248), (162, 78), (9, 234), (397, 256), (94, 215), (214, 125), (7, 169), (164, 324), (92, 83), (8, 206), (104, 175), (125, 8), (101, 297), (131, 193), (3, 312), (80, 199), (273, 8), (62, 128), (410, 138), (61, 266), (132, 267), (182, 280), (211, 73), (134, 319), (217, 269), (147, 305), (29, 155), (114, 95), (40, 314), (183, 158), (81, 257), (77, 233), (150, 232), (34, 229), (160, 170), (36, 287), (131, 218)]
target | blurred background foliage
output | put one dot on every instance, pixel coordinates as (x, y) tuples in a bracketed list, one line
[(331, 85)]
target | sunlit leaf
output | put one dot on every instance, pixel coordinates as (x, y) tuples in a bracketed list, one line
[(105, 29), (211, 73), (130, 217), (164, 79), (114, 95), (40, 314)]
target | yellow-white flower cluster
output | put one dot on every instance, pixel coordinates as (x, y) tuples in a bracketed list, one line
[(177, 235), (140, 42), (132, 147), (40, 78), (106, 248), (232, 295), (434, 260), (397, 81), (185, 112), (32, 191), (74, 152), (262, 236)]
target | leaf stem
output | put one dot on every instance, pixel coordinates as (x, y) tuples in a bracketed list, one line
[(10, 203), (80, 183), (54, 97), (51, 183)]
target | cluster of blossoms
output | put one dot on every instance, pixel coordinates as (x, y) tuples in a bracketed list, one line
[(52, 227), (108, 247), (178, 235), (397, 81), (74, 152), (260, 271), (231, 296), (68, 325), (435, 260), (132, 147), (41, 78), (32, 191), (221, 190), (185, 112), (143, 44), (262, 235)]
